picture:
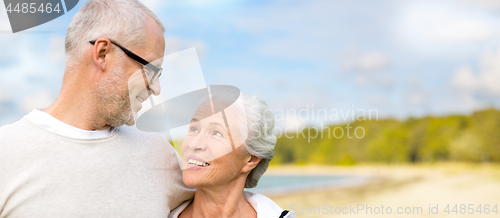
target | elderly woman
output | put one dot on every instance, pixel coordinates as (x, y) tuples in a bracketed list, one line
[(224, 153)]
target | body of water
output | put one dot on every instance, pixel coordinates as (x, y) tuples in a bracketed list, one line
[(283, 184)]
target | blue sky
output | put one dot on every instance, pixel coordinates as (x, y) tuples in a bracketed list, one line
[(401, 57)]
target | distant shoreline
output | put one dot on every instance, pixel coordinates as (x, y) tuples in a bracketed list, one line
[(285, 184)]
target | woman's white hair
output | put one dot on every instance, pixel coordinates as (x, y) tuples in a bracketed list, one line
[(261, 139), (121, 20)]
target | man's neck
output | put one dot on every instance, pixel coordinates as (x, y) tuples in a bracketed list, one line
[(76, 110)]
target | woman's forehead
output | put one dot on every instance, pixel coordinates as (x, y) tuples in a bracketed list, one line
[(230, 113), (204, 116)]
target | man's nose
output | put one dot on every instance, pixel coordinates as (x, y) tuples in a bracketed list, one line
[(155, 87)]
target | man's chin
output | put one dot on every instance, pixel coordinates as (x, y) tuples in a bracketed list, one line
[(134, 118), (123, 119), (131, 122)]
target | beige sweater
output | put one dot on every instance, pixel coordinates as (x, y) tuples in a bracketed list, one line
[(127, 174)]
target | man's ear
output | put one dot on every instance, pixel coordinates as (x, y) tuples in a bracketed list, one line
[(101, 49), (252, 162)]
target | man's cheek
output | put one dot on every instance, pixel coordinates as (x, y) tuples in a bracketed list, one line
[(137, 82)]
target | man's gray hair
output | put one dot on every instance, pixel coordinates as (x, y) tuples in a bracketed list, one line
[(261, 139), (121, 20)]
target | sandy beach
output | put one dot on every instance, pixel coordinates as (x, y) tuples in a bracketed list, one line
[(398, 191)]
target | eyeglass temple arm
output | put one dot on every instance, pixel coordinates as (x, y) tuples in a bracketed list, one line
[(133, 56)]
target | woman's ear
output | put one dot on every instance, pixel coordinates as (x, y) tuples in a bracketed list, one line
[(252, 162)]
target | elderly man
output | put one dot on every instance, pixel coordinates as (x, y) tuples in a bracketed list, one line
[(76, 158)]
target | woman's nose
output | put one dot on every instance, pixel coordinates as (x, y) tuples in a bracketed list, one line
[(198, 143)]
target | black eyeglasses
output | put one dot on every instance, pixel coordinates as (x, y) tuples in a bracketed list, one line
[(151, 70)]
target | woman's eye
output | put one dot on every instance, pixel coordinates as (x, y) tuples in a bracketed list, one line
[(217, 133)]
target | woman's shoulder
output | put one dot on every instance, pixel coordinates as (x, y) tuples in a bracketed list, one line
[(265, 207)]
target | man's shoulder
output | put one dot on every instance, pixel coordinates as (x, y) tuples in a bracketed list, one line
[(8, 127), (19, 129), (144, 139), (133, 132), (17, 138)]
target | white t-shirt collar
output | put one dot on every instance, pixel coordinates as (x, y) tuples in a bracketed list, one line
[(50, 123)]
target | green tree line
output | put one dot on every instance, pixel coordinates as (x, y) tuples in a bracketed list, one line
[(474, 138)]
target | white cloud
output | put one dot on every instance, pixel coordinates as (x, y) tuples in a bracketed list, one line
[(9, 42), (298, 29), (417, 99), (3, 95), (485, 4), (175, 44), (366, 66), (31, 69), (4, 20), (39, 100), (475, 90), (444, 27), (153, 5), (378, 100), (369, 61), (199, 3), (445, 23), (485, 82), (464, 79), (416, 95), (456, 30), (32, 57), (57, 50)]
